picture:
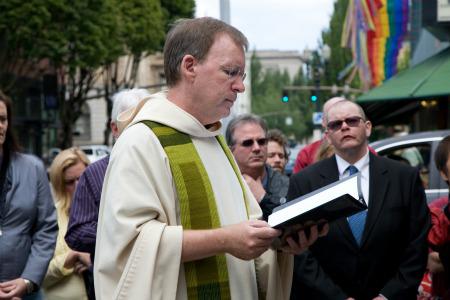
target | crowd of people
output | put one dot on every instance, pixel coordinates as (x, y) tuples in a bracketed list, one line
[(180, 211)]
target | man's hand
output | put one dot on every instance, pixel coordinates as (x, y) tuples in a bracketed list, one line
[(79, 261), (434, 263), (13, 289), (304, 241), (249, 239), (255, 186), (71, 259)]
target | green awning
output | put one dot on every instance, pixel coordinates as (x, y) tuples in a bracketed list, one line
[(430, 78)]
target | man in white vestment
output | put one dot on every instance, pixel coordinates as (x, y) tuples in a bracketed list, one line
[(143, 249)]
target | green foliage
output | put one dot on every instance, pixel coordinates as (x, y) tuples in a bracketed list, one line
[(340, 57), (142, 33), (75, 39), (142, 27), (176, 9), (266, 101)]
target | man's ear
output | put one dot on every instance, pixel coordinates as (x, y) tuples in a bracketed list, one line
[(187, 67), (368, 128), (114, 130)]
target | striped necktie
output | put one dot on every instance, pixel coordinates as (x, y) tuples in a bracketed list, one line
[(358, 220)]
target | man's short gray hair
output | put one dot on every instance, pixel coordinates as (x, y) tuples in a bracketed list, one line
[(241, 120), (126, 99)]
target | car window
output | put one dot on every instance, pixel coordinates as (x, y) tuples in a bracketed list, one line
[(88, 151), (415, 155), (102, 152)]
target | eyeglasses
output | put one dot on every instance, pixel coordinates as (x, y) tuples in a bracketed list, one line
[(248, 143), (234, 72), (337, 124)]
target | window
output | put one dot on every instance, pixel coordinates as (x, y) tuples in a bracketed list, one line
[(415, 155)]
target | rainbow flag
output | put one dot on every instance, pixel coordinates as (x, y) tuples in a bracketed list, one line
[(375, 31)]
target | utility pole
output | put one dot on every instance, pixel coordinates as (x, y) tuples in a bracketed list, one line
[(225, 11)]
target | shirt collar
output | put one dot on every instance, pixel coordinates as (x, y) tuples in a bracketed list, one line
[(360, 164)]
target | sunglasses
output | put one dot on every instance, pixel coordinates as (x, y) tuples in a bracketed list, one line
[(337, 124), (250, 142)]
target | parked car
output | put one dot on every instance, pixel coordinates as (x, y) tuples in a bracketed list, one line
[(293, 152), (95, 152), (417, 150)]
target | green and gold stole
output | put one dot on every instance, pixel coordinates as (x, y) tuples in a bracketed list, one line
[(206, 278)]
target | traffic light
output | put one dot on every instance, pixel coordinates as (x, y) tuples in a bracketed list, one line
[(285, 96), (314, 97)]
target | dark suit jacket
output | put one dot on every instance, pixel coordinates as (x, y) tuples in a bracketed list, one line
[(393, 254)]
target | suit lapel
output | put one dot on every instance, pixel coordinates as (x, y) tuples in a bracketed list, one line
[(329, 173), (378, 187)]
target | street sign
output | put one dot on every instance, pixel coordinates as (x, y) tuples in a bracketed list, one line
[(317, 118)]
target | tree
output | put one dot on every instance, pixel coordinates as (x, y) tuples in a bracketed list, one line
[(142, 33), (176, 9), (340, 57), (89, 40), (266, 100), (71, 39), (75, 40), (23, 39)]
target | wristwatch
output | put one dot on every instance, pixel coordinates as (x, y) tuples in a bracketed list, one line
[(29, 285)]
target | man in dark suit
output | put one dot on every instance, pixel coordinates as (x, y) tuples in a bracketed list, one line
[(380, 253)]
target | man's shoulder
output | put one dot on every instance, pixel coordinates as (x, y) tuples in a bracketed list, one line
[(315, 169), (97, 167), (320, 165), (27, 161), (392, 165)]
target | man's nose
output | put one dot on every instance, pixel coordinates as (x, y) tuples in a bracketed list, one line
[(256, 146), (238, 85), (344, 125)]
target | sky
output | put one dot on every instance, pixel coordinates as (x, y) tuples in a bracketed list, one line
[(275, 24)]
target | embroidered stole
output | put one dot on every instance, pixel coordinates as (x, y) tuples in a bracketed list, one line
[(206, 278)]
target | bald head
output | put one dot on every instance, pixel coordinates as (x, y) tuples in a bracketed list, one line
[(338, 105), (326, 107)]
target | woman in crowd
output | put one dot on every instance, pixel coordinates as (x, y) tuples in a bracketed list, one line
[(64, 278), (28, 225)]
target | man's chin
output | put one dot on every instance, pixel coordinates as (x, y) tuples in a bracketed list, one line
[(256, 164), (225, 113), (279, 169)]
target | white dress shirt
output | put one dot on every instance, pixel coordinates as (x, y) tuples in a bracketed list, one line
[(363, 167)]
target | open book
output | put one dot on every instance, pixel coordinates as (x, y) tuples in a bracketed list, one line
[(340, 199)]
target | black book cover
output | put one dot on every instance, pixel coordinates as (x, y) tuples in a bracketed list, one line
[(340, 199)]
